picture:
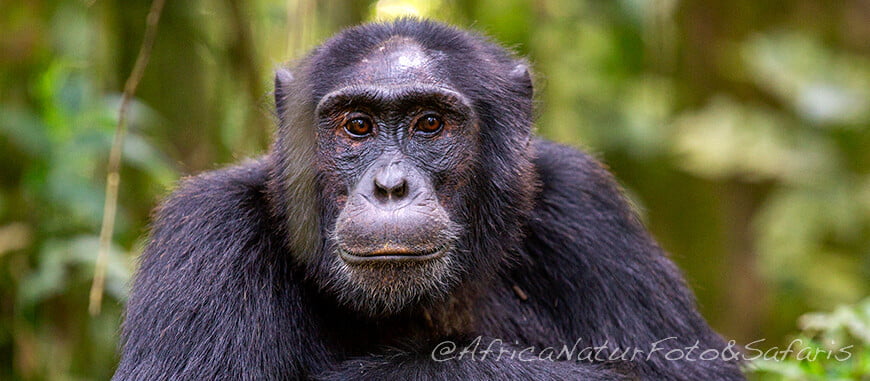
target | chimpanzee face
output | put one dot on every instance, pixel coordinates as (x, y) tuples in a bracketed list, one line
[(396, 145)]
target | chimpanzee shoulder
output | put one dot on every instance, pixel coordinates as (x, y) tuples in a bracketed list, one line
[(584, 233), (214, 265), (590, 266)]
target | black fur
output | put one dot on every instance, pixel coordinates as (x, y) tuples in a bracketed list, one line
[(237, 281)]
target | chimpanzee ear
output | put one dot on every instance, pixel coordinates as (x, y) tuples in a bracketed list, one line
[(521, 76), (283, 78)]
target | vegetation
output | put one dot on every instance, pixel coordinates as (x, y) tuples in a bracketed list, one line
[(740, 130)]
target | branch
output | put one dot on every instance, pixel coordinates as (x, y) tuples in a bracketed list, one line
[(113, 177)]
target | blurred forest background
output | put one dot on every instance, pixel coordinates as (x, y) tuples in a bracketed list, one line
[(740, 129)]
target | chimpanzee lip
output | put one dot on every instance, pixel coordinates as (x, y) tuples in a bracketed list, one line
[(391, 256)]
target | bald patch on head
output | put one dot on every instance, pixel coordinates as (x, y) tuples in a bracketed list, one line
[(398, 60)]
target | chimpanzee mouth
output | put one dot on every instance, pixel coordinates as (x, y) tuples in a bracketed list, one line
[(391, 255)]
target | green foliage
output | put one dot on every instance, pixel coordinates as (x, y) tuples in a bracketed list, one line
[(831, 346), (740, 130), (57, 138)]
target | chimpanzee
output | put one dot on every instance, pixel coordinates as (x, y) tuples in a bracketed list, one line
[(406, 224)]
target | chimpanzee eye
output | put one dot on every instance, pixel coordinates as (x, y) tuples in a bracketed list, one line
[(429, 124), (358, 127)]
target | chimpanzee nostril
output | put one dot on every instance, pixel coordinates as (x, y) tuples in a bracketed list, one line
[(390, 184)]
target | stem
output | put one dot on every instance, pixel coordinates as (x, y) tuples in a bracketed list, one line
[(113, 176)]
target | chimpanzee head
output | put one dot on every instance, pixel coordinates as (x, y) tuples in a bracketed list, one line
[(402, 162)]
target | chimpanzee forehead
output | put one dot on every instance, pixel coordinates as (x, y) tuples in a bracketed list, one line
[(398, 60)]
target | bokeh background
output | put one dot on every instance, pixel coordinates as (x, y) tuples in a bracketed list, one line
[(739, 128)]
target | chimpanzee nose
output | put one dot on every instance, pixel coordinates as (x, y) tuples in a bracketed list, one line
[(391, 183)]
